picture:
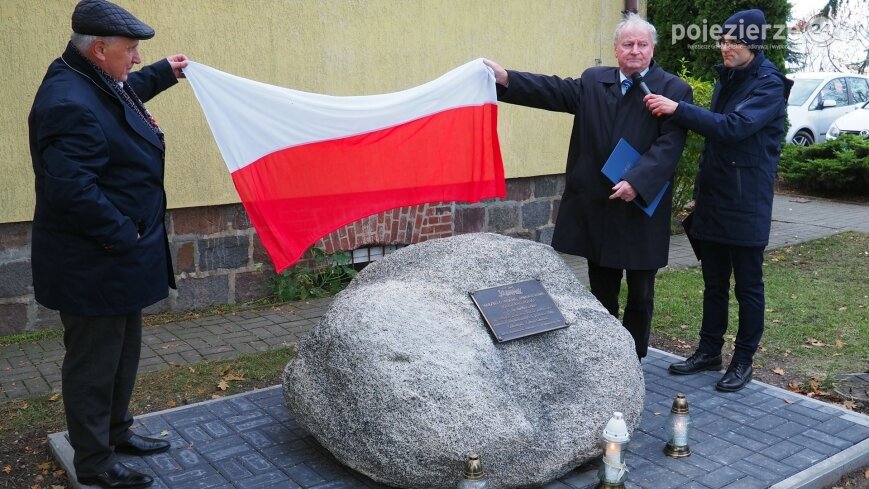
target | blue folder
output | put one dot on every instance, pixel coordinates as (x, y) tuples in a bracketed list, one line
[(621, 160)]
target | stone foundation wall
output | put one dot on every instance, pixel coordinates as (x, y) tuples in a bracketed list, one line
[(219, 259)]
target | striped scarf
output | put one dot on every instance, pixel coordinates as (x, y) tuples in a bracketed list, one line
[(125, 92)]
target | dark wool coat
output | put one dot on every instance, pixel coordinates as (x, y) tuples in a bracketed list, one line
[(611, 233), (744, 131), (98, 171)]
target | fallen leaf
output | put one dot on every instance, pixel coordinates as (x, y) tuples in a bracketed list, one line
[(54, 397), (790, 401), (657, 414), (216, 396), (192, 370), (224, 370), (793, 296), (850, 405), (683, 326), (44, 466), (793, 387), (763, 348), (813, 384), (7, 470), (814, 342), (866, 473), (840, 344), (35, 486), (779, 371), (843, 308), (223, 385), (164, 433), (233, 377), (776, 321), (171, 403)]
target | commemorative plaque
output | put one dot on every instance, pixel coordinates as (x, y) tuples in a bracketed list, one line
[(518, 310)]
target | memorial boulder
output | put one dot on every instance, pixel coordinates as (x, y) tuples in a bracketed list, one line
[(402, 378)]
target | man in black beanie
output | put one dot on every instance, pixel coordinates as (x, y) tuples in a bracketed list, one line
[(733, 191), (99, 246)]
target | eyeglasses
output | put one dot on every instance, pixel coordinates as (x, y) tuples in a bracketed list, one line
[(730, 43)]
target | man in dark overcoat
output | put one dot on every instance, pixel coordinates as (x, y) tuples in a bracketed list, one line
[(596, 219), (734, 191), (100, 252)]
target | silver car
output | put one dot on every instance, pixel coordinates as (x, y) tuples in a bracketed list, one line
[(818, 99), (855, 122)]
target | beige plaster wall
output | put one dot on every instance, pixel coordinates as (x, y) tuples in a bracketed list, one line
[(338, 47)]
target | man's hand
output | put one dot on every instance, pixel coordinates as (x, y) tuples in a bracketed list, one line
[(500, 73), (177, 61), (623, 190), (660, 105)]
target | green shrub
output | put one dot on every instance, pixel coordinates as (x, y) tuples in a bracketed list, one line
[(840, 167), (686, 169), (320, 276)]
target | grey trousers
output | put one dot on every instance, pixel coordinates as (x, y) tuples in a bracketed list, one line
[(98, 375)]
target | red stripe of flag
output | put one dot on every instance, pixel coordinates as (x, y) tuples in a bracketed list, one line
[(297, 195)]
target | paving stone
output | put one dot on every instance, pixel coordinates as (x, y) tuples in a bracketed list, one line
[(222, 448), (747, 483), (233, 470), (782, 450), (268, 480), (855, 434), (304, 476), (720, 477), (804, 458), (815, 445)]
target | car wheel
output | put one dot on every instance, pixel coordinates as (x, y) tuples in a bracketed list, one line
[(803, 138)]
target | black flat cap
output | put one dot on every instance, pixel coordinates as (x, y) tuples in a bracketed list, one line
[(102, 18)]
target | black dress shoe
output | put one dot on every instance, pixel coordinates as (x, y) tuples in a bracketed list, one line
[(142, 445), (118, 475), (697, 362), (737, 375)]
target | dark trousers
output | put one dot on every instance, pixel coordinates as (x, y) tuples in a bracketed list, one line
[(605, 284), (746, 265), (99, 371)]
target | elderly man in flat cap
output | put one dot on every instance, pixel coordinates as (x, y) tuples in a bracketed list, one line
[(99, 245)]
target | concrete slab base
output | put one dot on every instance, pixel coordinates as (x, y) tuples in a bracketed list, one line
[(759, 437)]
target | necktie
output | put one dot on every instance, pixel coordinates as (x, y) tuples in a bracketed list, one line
[(626, 85)]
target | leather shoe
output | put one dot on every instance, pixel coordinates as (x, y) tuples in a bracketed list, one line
[(142, 445), (697, 362), (737, 375), (118, 475)]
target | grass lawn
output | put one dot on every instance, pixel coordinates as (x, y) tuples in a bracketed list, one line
[(817, 308)]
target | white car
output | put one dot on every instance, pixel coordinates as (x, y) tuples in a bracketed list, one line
[(856, 122), (818, 99)]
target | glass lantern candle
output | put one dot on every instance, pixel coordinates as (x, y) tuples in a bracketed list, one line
[(614, 441), (474, 478), (678, 424)]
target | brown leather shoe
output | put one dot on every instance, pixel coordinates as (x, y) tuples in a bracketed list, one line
[(698, 362)]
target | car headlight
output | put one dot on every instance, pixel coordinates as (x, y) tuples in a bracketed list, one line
[(833, 132)]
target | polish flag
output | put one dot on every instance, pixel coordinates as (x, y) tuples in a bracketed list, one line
[(306, 164)]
